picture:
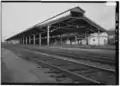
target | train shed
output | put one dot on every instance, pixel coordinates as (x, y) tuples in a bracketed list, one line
[(68, 27)]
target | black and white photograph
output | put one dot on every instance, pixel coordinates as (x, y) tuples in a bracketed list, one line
[(59, 43)]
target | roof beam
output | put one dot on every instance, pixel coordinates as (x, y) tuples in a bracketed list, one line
[(53, 17), (94, 24), (42, 29), (73, 19)]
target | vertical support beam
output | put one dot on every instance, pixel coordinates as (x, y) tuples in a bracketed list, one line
[(75, 39), (67, 40), (23, 41), (29, 39), (98, 37), (39, 38), (86, 38), (26, 40), (34, 39), (48, 35)]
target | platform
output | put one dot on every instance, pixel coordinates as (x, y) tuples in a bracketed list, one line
[(17, 70)]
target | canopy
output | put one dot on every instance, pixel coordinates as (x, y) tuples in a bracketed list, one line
[(72, 20)]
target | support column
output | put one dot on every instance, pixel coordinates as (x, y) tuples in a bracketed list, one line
[(98, 37), (76, 39), (26, 40), (48, 35), (20, 41), (34, 39), (23, 40), (29, 39), (86, 38), (39, 38)]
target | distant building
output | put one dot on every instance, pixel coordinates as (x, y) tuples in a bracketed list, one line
[(13, 42), (98, 39), (111, 37)]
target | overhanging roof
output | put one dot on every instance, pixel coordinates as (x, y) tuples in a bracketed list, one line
[(72, 21)]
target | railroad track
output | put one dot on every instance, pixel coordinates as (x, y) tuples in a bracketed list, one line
[(74, 56), (77, 72), (105, 63), (100, 59)]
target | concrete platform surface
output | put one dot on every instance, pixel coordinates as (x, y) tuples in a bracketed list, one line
[(16, 69)]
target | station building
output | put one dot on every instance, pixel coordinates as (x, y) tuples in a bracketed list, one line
[(70, 27)]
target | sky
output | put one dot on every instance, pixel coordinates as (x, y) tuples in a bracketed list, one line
[(17, 17)]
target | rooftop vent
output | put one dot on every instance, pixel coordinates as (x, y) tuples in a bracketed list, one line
[(77, 11)]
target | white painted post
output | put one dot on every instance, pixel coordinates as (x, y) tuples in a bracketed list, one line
[(39, 38), (29, 39), (26, 40), (75, 39), (98, 37), (48, 35), (86, 38), (34, 39)]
